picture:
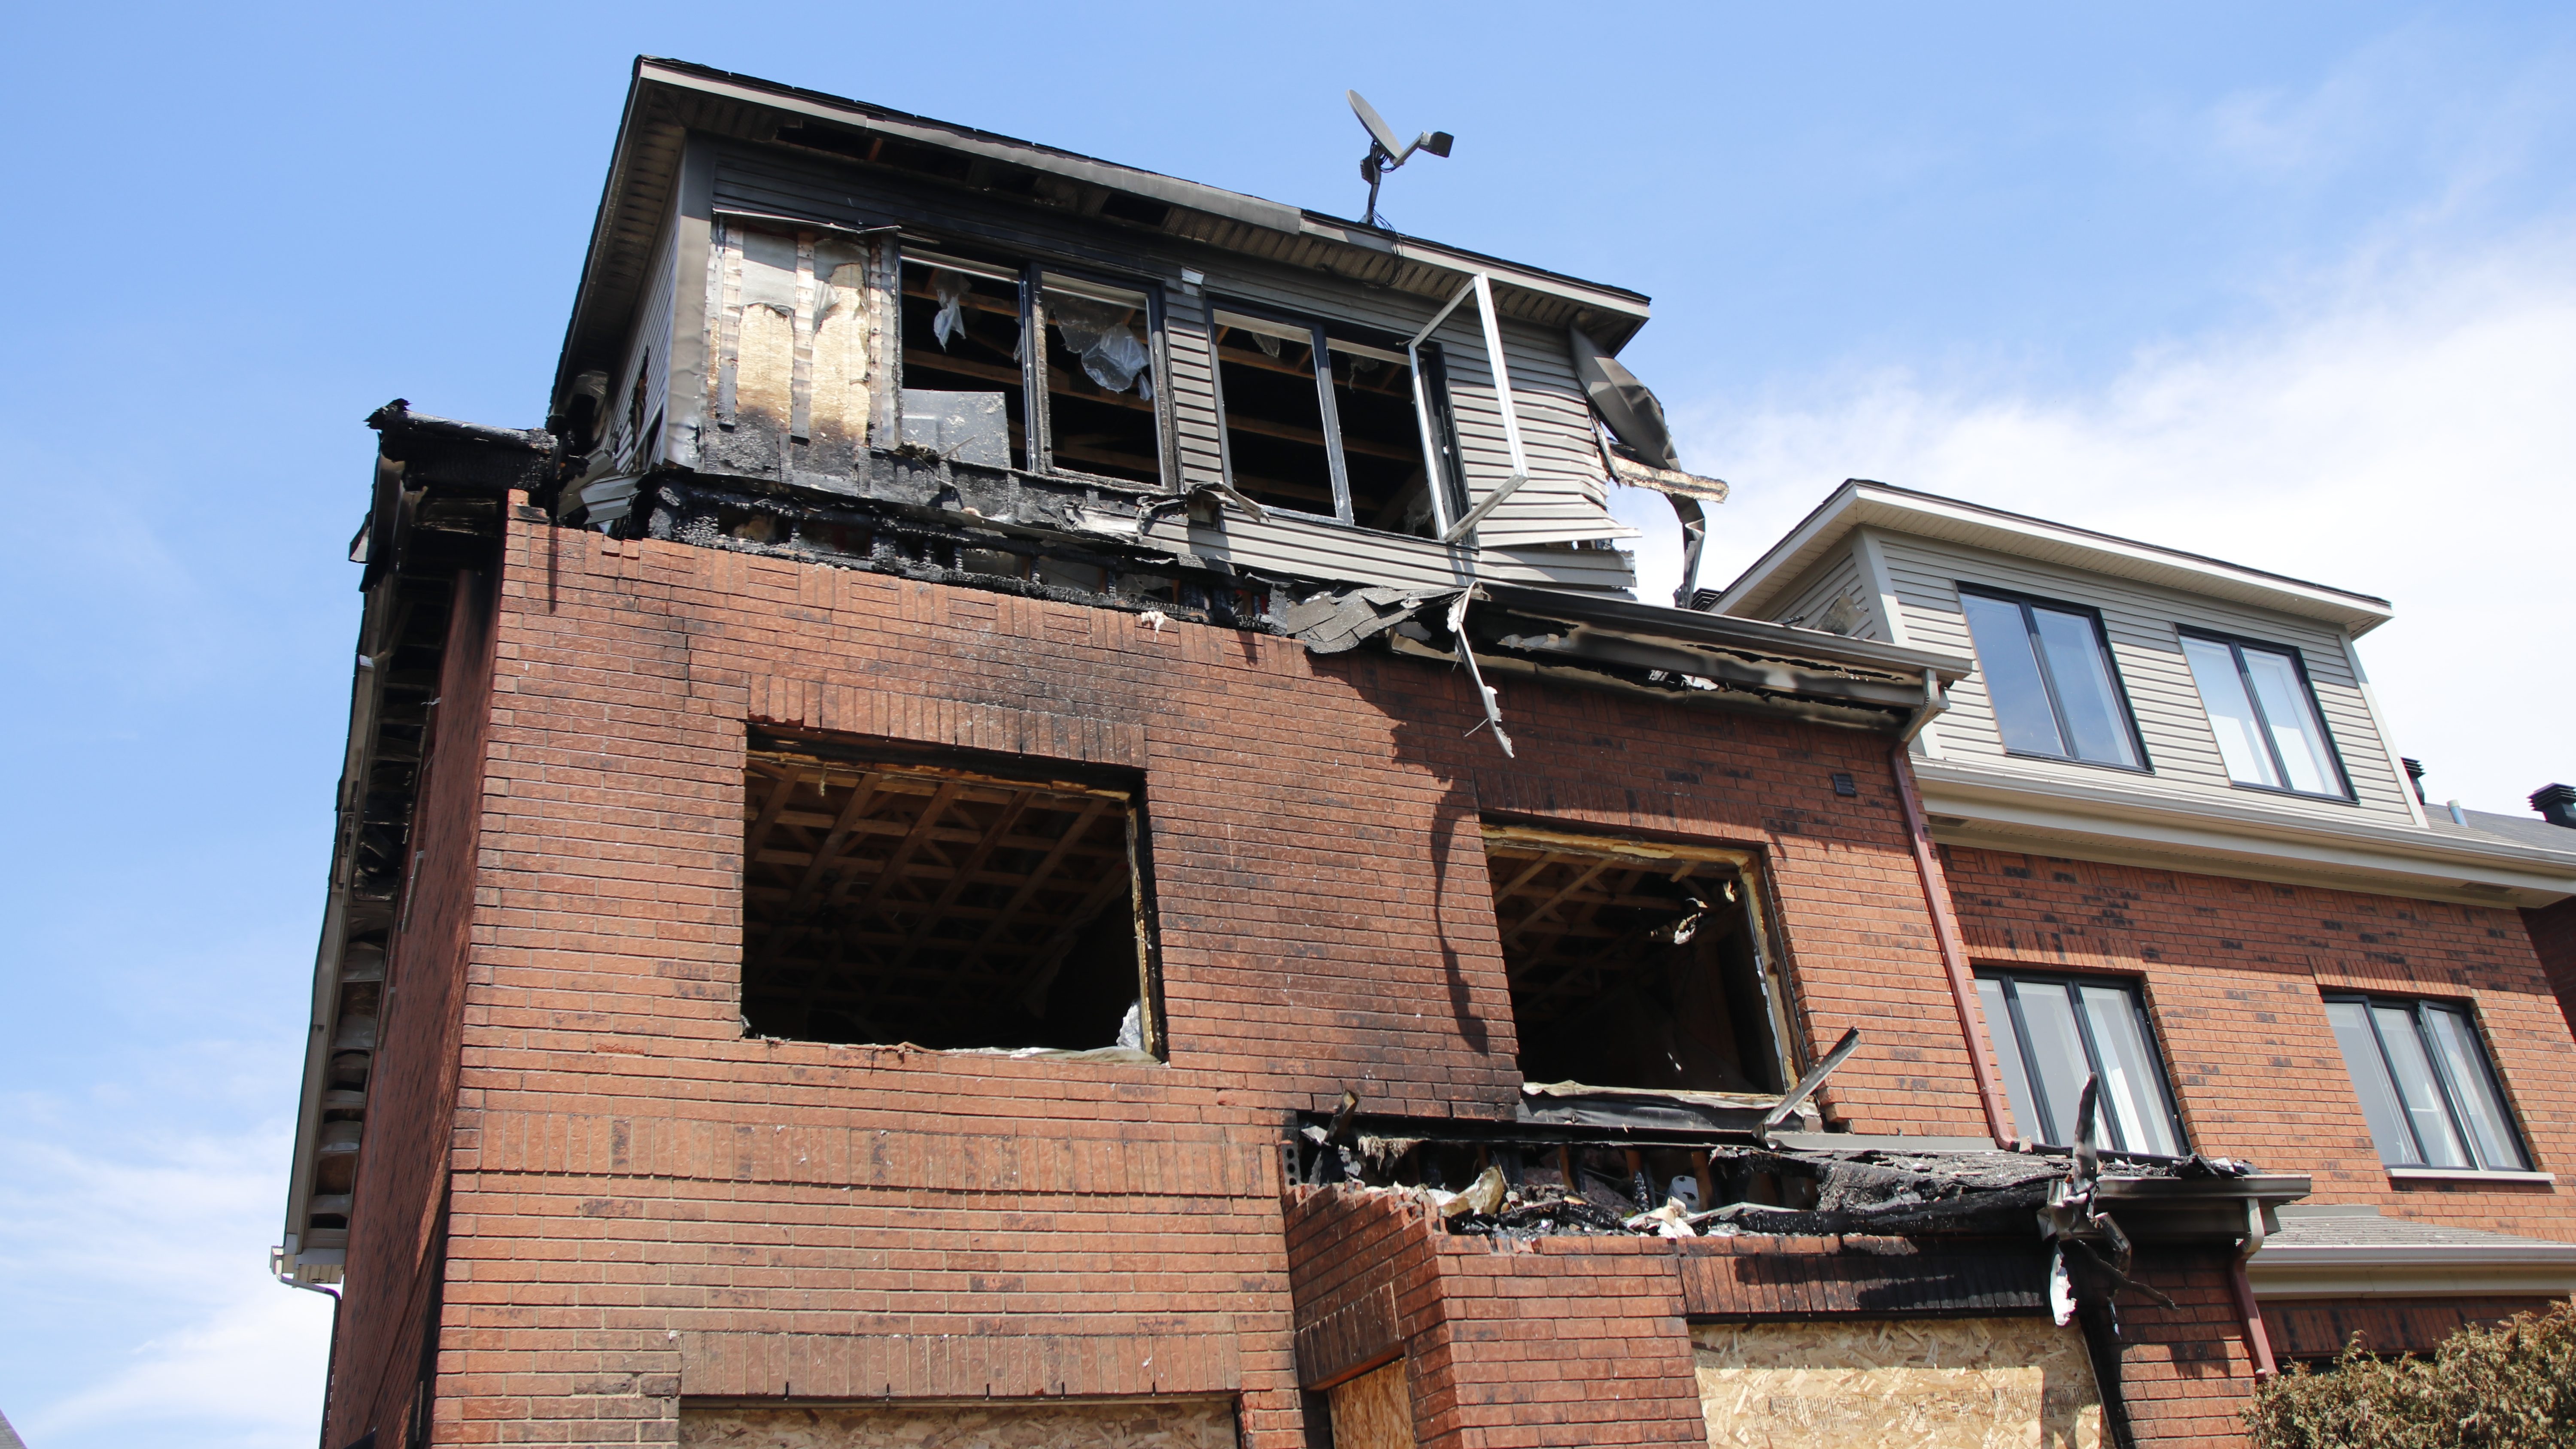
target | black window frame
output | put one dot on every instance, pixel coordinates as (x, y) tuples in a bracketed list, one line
[(2237, 644), (2048, 678), (2135, 990), (2414, 1006), (1038, 454), (1449, 485)]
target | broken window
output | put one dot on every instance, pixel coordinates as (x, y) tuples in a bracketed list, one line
[(943, 900), (965, 394), (1636, 964), (967, 368), (1101, 408), (1346, 442)]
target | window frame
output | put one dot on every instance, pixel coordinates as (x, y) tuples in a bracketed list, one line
[(2237, 644), (2414, 1007), (2048, 676), (2107, 1121), (1443, 464), (1032, 270)]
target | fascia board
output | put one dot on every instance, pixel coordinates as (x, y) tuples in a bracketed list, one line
[(2279, 1273), (1654, 622), (2090, 820), (1903, 511)]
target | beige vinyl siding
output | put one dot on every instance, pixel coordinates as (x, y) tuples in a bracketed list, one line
[(1838, 574), (1522, 541), (2142, 622)]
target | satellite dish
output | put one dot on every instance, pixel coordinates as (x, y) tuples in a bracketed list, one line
[(1385, 152)]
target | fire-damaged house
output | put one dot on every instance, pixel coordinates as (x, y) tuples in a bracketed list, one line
[(1043, 813)]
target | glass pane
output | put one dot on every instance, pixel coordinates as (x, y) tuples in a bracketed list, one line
[(2012, 675), (2412, 1070), (2379, 1106), (2231, 714), (2084, 688), (1274, 418), (1999, 1025), (1100, 381), (961, 351), (2133, 1091), (2474, 1089), (2293, 717), (1381, 442), (2059, 1052)]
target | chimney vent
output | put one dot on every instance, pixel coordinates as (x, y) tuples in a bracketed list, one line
[(2415, 777), (2556, 804)]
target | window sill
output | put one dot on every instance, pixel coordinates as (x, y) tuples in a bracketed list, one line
[(2113, 765), (2470, 1174), (2322, 798)]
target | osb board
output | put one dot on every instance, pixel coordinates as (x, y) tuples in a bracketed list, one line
[(1373, 1411), (1954, 1383), (1132, 1424)]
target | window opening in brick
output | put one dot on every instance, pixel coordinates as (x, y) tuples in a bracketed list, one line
[(890, 897), (965, 394), (1102, 391), (1636, 965), (2052, 1032)]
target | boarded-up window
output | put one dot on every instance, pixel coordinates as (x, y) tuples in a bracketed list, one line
[(1636, 964), (945, 900), (1938, 1383), (1128, 1424), (1373, 1411)]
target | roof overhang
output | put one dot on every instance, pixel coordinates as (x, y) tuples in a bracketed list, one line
[(670, 99), (1860, 503), (1970, 806)]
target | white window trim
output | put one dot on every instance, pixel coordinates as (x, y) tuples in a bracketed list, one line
[(2467, 1174)]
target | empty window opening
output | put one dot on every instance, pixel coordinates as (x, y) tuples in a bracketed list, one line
[(1100, 383), (890, 897), (1381, 440), (965, 394), (1344, 443), (1276, 450), (1636, 965)]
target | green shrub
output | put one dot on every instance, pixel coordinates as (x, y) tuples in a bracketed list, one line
[(2482, 1388)]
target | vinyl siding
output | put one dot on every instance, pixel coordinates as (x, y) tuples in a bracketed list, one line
[(1837, 575), (2142, 622), (1564, 501), (648, 355)]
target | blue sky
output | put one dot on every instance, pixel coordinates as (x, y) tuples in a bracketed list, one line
[(2294, 288)]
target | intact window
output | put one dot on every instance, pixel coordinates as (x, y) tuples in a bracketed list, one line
[(967, 369), (939, 899), (2425, 1085), (1635, 964), (1341, 438), (2264, 715), (2049, 671), (2052, 1032)]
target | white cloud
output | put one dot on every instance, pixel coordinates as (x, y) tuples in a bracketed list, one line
[(134, 1267), (2403, 429)]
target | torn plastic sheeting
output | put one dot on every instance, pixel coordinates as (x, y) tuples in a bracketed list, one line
[(950, 288), (1111, 354), (963, 427)]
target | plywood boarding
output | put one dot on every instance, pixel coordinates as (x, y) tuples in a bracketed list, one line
[(2142, 622), (1935, 1383), (1373, 1411), (1132, 1424), (1565, 499)]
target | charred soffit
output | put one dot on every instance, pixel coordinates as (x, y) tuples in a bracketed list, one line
[(439, 490), (997, 529)]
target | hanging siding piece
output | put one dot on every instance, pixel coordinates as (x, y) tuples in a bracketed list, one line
[(1467, 656)]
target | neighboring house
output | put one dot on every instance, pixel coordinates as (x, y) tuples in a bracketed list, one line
[(1039, 815), (2167, 788)]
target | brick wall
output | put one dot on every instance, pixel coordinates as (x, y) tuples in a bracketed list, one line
[(388, 1295), (646, 1202), (2386, 1325), (2553, 935), (2232, 972)]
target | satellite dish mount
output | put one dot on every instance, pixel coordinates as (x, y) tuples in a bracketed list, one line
[(1386, 153)]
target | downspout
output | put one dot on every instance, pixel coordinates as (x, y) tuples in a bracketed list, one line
[(1945, 922), (2258, 1339)]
